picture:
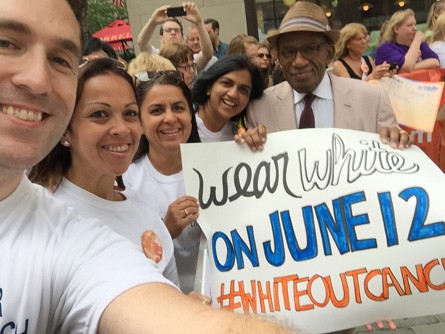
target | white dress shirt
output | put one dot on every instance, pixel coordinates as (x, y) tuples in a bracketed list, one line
[(323, 105)]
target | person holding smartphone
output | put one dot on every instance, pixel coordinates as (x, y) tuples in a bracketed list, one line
[(171, 30)]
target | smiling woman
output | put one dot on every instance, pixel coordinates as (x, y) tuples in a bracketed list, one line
[(222, 94), (96, 148), (156, 176)]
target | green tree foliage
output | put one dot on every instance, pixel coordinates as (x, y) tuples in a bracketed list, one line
[(101, 13)]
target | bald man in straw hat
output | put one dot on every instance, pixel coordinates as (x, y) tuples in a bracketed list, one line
[(305, 47)]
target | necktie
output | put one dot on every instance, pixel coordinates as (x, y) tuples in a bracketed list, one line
[(307, 119)]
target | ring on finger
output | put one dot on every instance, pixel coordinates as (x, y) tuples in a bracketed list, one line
[(206, 302), (186, 213)]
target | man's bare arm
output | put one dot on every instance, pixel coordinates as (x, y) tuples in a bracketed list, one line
[(159, 308), (158, 17)]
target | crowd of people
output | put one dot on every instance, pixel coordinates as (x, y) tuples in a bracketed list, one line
[(86, 135)]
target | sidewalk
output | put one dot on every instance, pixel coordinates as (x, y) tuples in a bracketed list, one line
[(434, 324)]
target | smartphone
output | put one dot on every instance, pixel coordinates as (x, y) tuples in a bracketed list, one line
[(392, 66), (176, 11)]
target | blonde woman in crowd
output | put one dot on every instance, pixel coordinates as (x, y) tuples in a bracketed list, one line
[(404, 45), (437, 39), (146, 62), (351, 62), (436, 9)]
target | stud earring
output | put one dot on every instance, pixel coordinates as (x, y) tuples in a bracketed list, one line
[(65, 143)]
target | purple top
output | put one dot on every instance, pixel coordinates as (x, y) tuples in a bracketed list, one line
[(394, 52)]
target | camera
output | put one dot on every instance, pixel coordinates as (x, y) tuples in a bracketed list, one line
[(392, 65), (176, 11)]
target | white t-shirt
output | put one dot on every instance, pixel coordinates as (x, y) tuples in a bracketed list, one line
[(439, 48), (60, 271), (207, 136), (130, 218), (144, 182)]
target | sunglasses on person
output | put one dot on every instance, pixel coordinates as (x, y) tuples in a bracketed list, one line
[(264, 55), (87, 60), (146, 76)]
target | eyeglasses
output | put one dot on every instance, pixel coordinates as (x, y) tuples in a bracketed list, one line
[(190, 67), (171, 29), (86, 60), (308, 51), (146, 76), (263, 55)]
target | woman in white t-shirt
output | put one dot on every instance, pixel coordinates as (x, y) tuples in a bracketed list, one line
[(97, 147), (222, 94), (156, 176)]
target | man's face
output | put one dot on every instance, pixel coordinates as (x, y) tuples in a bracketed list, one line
[(172, 32), (251, 52), (40, 55), (304, 73), (212, 33), (193, 40)]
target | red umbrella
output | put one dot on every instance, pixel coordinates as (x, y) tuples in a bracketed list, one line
[(121, 46), (118, 31)]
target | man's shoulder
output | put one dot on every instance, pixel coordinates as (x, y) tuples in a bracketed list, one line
[(271, 95), (277, 90)]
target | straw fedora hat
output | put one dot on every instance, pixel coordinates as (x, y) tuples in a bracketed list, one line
[(305, 16)]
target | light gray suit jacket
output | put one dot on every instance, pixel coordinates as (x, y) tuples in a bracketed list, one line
[(358, 105)]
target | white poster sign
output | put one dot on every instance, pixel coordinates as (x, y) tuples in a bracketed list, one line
[(326, 228), (415, 103)]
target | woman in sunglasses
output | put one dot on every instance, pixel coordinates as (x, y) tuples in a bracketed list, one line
[(96, 148), (264, 63), (156, 175), (222, 94)]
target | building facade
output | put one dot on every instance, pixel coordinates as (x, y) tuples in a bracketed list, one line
[(257, 17)]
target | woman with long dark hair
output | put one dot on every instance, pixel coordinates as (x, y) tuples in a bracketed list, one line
[(84, 168)]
